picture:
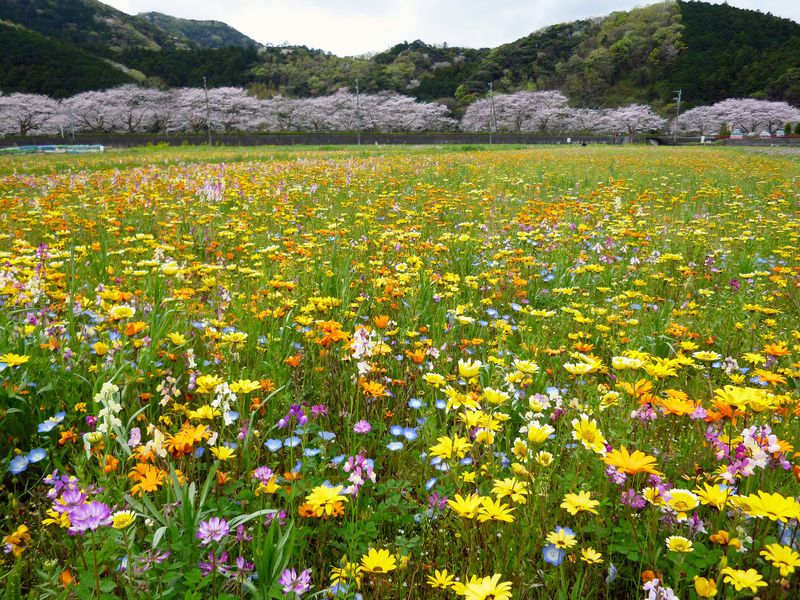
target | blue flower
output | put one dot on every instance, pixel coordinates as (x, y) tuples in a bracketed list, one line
[(415, 403), (37, 454), (18, 464), (291, 442), (430, 483), (552, 554), (612, 573), (311, 451), (396, 430), (395, 446), (337, 460), (440, 404), (51, 423), (273, 445), (327, 435), (410, 433)]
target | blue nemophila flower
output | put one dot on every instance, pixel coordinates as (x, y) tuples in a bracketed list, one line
[(273, 445), (430, 483), (311, 451), (337, 460), (18, 464), (552, 554), (51, 423), (291, 442), (395, 446), (441, 404), (415, 403), (396, 430), (327, 435), (37, 454), (410, 433)]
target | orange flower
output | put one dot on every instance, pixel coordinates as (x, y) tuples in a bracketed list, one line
[(68, 437), (65, 578), (134, 328), (776, 349), (381, 321), (149, 478), (111, 464), (373, 389), (293, 361)]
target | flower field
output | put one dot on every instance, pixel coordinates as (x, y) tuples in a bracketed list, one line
[(429, 373)]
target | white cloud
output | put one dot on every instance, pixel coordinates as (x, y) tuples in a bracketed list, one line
[(348, 27)]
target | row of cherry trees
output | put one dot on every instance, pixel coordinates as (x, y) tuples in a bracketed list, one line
[(131, 109), (747, 115)]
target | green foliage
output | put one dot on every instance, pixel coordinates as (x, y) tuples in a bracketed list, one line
[(207, 34), (33, 63)]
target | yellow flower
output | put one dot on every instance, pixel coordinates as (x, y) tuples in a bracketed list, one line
[(434, 379), (526, 366), (494, 396), (562, 538), (322, 499), (100, 348), (783, 558), (206, 384), (741, 579), (441, 579), (713, 495), (120, 311), (488, 588), (538, 433), (706, 355), (223, 453), (773, 506), (678, 543), (57, 518), (580, 502), (591, 556), (705, 588), (494, 511), (378, 561), (123, 519), (177, 338), (204, 413), (469, 369), (544, 458), (447, 448), (14, 360), (19, 540), (245, 386), (466, 507), (681, 501), (512, 488), (585, 431)]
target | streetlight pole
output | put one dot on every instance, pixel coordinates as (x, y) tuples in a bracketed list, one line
[(677, 114), (208, 111), (358, 115), (492, 119)]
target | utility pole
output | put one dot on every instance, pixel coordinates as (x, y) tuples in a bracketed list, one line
[(358, 115), (208, 111), (677, 113), (492, 118)]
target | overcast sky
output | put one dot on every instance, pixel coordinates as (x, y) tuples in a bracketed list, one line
[(351, 27)]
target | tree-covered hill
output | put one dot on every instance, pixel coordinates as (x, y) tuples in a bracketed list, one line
[(710, 51), (207, 34)]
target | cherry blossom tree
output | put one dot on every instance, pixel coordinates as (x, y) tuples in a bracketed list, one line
[(631, 119), (91, 111), (702, 120), (751, 115), (28, 113)]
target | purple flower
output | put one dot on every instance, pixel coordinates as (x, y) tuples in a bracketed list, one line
[(362, 426), (553, 554), (70, 499), (88, 517), (292, 582), (212, 530), (263, 474), (215, 563)]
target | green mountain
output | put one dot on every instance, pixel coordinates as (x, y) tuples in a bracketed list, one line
[(33, 63), (207, 34), (709, 51)]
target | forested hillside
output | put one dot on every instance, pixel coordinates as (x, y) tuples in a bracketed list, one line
[(711, 52)]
